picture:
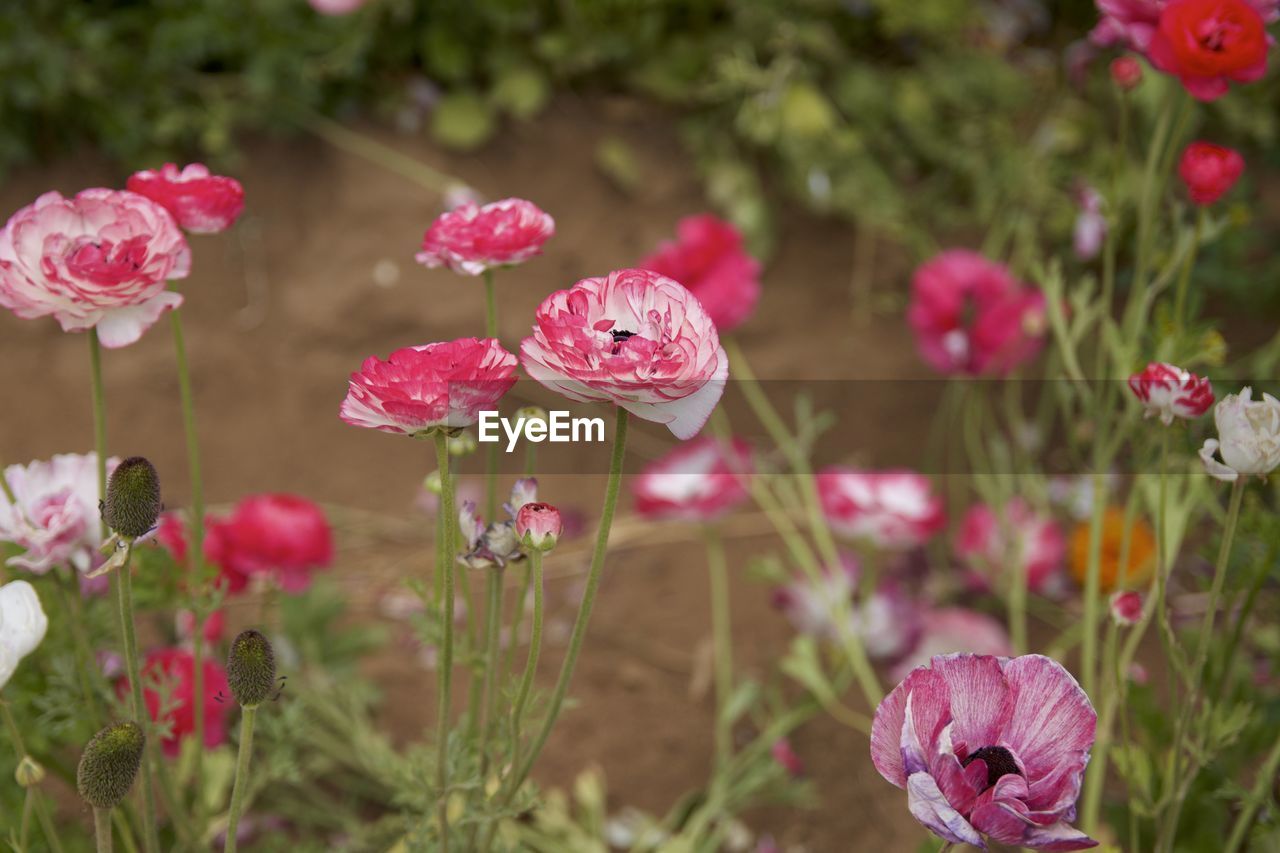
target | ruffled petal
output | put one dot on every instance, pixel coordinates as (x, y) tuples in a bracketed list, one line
[(931, 808), (1053, 720)]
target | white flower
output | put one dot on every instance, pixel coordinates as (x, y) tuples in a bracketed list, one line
[(1248, 437), (22, 626)]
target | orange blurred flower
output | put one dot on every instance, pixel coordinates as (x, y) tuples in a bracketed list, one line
[(1141, 551)]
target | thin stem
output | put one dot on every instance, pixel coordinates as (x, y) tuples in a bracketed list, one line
[(444, 564), (102, 829), (493, 616), (80, 645), (1180, 319), (1261, 786), (243, 758), (721, 628), (50, 830), (34, 799), (535, 649), (490, 306), (138, 707), (1089, 637)]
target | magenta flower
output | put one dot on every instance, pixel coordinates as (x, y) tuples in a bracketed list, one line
[(971, 317), (538, 525), (1132, 23), (989, 746), (1126, 607), (635, 339), (1209, 171), (698, 481), (100, 260), (280, 536), (1025, 538), (471, 239), (787, 758), (55, 521), (1167, 392), (896, 510), (435, 385), (954, 629), (708, 258), (201, 202)]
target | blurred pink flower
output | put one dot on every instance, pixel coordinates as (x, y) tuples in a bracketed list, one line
[(280, 536), (419, 388), (1209, 171), (1126, 607), (202, 203), (55, 521), (993, 549), (1126, 72), (1091, 226), (336, 7), (185, 626), (1208, 44), (894, 509), (954, 629), (698, 481), (469, 239), (1132, 23), (100, 260), (633, 338), (708, 258), (1167, 391), (989, 746), (787, 758), (175, 669), (971, 317)]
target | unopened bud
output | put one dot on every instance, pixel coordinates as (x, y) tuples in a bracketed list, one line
[(1126, 72), (251, 669), (29, 772), (462, 444), (538, 525), (109, 764), (532, 414), (133, 498), (431, 483)]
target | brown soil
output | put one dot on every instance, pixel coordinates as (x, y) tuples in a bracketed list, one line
[(282, 309)]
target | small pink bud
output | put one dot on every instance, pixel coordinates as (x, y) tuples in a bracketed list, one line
[(787, 757), (538, 525), (1126, 607), (1126, 72)]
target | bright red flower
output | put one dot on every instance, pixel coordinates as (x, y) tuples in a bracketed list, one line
[(708, 258), (202, 203), (1209, 43), (1209, 171), (174, 671), (172, 534), (470, 239), (284, 537), (1167, 391), (1126, 72), (698, 481)]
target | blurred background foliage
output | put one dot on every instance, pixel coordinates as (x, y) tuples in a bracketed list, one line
[(910, 118)]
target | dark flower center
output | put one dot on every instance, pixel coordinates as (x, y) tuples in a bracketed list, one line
[(999, 762), (619, 335)]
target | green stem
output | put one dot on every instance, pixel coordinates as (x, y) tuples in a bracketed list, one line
[(490, 306), (1261, 786), (244, 756), (47, 825), (493, 617), (80, 645), (102, 829), (1180, 319), (535, 649), (138, 707), (34, 799), (722, 634), (444, 564), (1089, 636)]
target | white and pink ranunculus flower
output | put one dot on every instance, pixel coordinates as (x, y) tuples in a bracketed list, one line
[(954, 629), (708, 257), (55, 520), (471, 239), (896, 510), (538, 525), (698, 481), (989, 747), (418, 389), (22, 626), (1126, 607), (993, 542), (1248, 437), (100, 260), (201, 202), (1167, 392), (635, 339)]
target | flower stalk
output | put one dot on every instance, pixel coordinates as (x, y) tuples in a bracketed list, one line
[(722, 634), (444, 566)]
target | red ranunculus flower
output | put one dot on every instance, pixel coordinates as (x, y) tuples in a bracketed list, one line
[(284, 537), (1209, 171), (175, 670), (202, 203), (1209, 43)]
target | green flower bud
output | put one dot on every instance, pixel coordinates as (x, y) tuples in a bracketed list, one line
[(432, 483), (462, 444), (29, 772), (532, 414), (133, 498), (109, 764), (251, 669)]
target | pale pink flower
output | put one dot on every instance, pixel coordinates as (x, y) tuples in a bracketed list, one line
[(538, 525), (201, 202), (1090, 230), (698, 481), (633, 338), (1167, 391), (435, 385), (954, 629), (989, 746), (894, 509), (470, 239), (100, 260), (55, 521), (993, 543), (709, 259)]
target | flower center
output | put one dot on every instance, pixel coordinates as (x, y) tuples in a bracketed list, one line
[(619, 335), (999, 762)]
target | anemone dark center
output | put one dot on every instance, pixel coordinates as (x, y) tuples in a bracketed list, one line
[(999, 762), (620, 335)]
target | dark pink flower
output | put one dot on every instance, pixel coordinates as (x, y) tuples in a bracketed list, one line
[(471, 239), (1167, 391), (1209, 171), (100, 260), (989, 746), (1126, 607), (202, 203), (970, 316), (993, 543), (171, 533), (1208, 44), (280, 536), (954, 629), (214, 625), (538, 525), (635, 339), (888, 509), (1126, 72), (175, 670), (708, 258), (698, 481), (436, 385), (787, 758)]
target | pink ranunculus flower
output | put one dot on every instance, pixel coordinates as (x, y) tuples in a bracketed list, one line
[(972, 317), (1167, 391), (279, 536), (709, 259), (1132, 23), (470, 239), (954, 629), (698, 481), (992, 542), (100, 260), (55, 521), (1126, 607), (633, 338), (989, 746), (1209, 171), (896, 509), (418, 389), (201, 202), (538, 525)]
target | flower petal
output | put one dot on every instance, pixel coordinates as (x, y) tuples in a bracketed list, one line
[(1212, 466), (1053, 720), (981, 702), (931, 808), (120, 327), (886, 727)]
